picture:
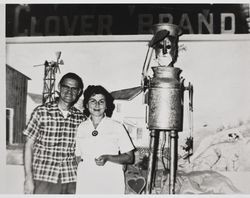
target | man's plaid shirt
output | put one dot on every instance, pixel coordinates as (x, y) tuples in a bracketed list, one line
[(54, 146)]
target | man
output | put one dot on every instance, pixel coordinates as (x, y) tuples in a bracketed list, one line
[(49, 159)]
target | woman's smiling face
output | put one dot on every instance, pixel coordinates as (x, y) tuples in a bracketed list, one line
[(97, 105)]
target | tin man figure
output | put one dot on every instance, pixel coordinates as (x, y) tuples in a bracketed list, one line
[(164, 99)]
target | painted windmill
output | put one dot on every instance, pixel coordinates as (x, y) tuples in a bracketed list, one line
[(50, 70)]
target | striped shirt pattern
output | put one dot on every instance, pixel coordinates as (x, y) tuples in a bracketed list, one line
[(54, 146)]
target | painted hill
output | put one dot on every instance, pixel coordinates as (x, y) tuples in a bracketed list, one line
[(223, 150)]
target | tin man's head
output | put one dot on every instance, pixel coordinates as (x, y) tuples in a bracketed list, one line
[(166, 50)]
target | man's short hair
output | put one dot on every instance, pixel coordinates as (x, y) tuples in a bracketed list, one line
[(73, 76)]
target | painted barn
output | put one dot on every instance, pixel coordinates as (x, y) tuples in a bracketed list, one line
[(16, 102)]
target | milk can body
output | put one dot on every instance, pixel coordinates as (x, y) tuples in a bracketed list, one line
[(165, 99)]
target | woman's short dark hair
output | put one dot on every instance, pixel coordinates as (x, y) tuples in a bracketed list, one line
[(98, 89)]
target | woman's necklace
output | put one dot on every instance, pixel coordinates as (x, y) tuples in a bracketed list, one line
[(95, 123), (95, 132)]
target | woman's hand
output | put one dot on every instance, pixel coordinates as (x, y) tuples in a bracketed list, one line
[(101, 161), (124, 158)]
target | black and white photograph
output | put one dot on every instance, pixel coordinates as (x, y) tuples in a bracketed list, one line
[(126, 98)]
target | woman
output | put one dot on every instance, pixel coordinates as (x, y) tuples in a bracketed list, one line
[(103, 144)]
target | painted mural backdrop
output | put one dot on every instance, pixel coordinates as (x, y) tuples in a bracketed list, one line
[(219, 71)]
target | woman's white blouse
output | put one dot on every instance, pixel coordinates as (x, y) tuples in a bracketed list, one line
[(112, 138)]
